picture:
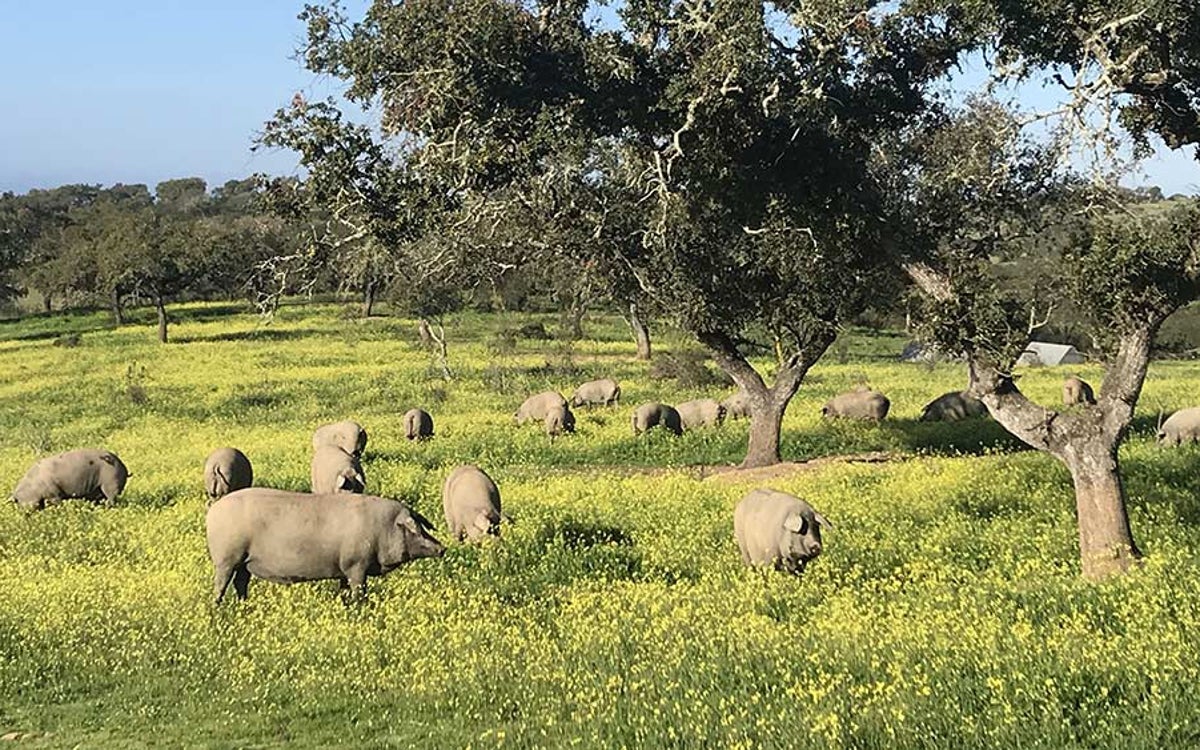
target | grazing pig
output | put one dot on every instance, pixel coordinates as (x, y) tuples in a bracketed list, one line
[(655, 414), (777, 529), (559, 419), (535, 408), (226, 470), (1076, 391), (90, 474), (737, 406), (347, 435), (953, 407), (418, 425), (334, 470), (862, 404), (605, 392), (290, 536), (703, 412), (472, 504), (1181, 427)]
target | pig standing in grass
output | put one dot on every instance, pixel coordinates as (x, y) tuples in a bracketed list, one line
[(96, 475), (334, 470), (536, 408), (559, 420), (418, 425), (1181, 427), (347, 435), (471, 501), (703, 412), (290, 536), (1076, 391), (777, 529), (605, 392), (864, 405), (655, 415), (953, 407), (226, 470)]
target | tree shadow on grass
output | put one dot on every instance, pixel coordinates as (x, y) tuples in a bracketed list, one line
[(55, 334), (524, 567), (257, 334), (903, 436), (970, 436), (207, 312)]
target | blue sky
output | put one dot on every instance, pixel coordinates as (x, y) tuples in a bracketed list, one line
[(106, 91)]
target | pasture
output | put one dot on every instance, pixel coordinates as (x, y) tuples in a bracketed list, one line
[(945, 611)]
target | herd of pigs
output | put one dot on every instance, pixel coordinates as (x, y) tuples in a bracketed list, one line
[(336, 532)]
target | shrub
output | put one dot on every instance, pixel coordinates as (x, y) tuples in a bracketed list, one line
[(688, 368)]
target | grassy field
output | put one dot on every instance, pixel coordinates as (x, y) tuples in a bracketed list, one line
[(946, 610)]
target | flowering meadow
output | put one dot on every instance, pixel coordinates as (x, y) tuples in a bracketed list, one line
[(947, 610)]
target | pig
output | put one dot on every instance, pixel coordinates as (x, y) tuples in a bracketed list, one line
[(226, 470), (334, 470), (418, 425), (471, 501), (737, 406), (953, 407), (655, 414), (291, 536), (703, 412), (604, 391), (96, 475), (1181, 427), (1077, 391), (559, 419), (347, 435), (860, 404), (536, 407), (777, 529)]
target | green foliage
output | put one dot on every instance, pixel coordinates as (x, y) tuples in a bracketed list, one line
[(1145, 56), (85, 245), (715, 158), (946, 609), (1136, 266)]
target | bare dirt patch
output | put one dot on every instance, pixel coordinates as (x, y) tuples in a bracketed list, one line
[(736, 474)]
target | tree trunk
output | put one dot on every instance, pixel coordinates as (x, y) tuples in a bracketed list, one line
[(1087, 440), (574, 320), (641, 334), (369, 299), (767, 405), (425, 333), (47, 302), (115, 302), (1106, 544), (161, 308), (437, 335), (766, 425)]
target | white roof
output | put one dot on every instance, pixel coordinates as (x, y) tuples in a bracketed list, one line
[(1044, 353)]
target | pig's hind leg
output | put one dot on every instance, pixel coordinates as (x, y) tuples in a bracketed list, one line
[(221, 577)]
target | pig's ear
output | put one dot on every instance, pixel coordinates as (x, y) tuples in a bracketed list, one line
[(341, 482), (822, 520), (794, 523), (483, 523), (421, 520)]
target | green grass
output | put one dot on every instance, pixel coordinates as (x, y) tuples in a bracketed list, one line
[(946, 611)]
